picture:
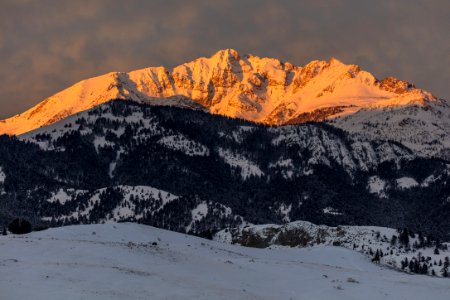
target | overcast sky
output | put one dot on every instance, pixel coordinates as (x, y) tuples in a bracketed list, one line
[(46, 46)]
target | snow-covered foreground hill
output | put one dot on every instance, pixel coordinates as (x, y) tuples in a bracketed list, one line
[(400, 249), (130, 261)]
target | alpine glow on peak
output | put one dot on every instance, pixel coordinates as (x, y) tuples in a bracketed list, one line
[(263, 90)]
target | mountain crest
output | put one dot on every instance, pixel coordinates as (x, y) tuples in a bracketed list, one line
[(227, 54), (258, 89)]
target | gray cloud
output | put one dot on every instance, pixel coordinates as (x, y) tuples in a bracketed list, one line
[(48, 45)]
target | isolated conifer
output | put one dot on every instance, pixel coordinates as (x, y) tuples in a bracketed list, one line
[(417, 267), (404, 263), (411, 266), (376, 257), (404, 237), (424, 269), (19, 226), (444, 270), (394, 240)]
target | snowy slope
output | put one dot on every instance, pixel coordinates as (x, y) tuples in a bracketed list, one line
[(246, 167), (265, 90), (423, 128), (120, 261), (312, 172), (324, 146), (125, 209), (365, 239)]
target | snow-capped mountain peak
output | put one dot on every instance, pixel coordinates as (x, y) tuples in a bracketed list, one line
[(264, 90)]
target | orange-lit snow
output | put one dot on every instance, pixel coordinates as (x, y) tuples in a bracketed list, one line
[(257, 89)]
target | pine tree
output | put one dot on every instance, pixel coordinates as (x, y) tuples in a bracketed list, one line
[(417, 267), (404, 263), (424, 269), (376, 257), (421, 240), (411, 265), (444, 270), (4, 231), (404, 237), (394, 240)]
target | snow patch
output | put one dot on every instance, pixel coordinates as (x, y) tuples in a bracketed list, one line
[(284, 211), (247, 167), (332, 211), (429, 180), (406, 182), (376, 185), (198, 213), (2, 176), (126, 208), (180, 143), (100, 141), (286, 166), (62, 196)]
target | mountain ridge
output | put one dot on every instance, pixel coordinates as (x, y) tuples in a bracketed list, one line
[(267, 91), (228, 167), (212, 81)]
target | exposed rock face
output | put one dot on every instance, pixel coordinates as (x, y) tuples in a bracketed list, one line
[(317, 115), (395, 85), (263, 90)]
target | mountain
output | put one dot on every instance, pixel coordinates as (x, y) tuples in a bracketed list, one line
[(268, 91), (191, 171), (132, 261)]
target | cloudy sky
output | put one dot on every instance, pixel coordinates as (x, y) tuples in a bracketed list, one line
[(46, 45)]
